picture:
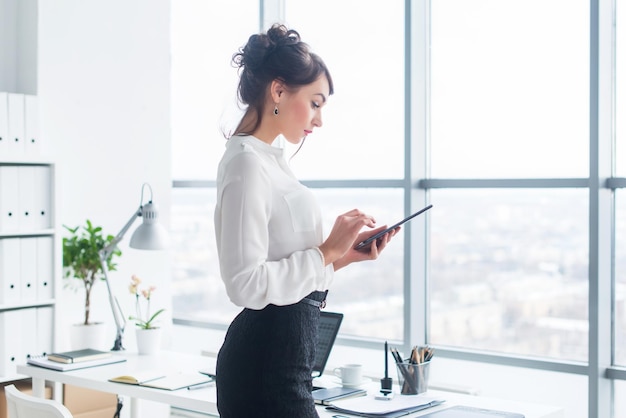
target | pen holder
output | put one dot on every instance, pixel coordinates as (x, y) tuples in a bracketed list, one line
[(413, 378)]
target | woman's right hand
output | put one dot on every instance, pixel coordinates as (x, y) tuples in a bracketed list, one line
[(343, 234)]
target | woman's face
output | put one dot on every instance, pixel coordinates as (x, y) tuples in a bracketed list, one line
[(300, 111)]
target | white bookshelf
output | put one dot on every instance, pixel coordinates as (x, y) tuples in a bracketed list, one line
[(30, 262)]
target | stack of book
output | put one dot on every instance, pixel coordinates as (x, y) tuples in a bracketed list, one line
[(78, 356), (77, 359)]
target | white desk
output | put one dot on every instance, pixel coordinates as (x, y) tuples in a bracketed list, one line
[(528, 410), (204, 400)]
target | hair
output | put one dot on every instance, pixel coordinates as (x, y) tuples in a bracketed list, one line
[(278, 54)]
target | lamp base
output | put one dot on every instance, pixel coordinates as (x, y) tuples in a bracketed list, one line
[(117, 345)]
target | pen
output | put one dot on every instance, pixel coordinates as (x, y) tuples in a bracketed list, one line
[(386, 365), (386, 383), (201, 386)]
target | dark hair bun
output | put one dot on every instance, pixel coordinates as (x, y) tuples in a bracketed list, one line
[(279, 35), (278, 54), (260, 46)]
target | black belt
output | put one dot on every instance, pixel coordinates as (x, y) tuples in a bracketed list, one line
[(318, 304)]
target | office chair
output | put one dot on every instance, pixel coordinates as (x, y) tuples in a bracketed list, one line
[(21, 405)]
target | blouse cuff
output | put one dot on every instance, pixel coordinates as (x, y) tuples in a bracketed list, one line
[(321, 256)]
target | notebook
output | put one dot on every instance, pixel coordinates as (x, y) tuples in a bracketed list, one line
[(155, 379), (471, 412)]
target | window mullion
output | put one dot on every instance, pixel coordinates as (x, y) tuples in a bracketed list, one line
[(600, 206)]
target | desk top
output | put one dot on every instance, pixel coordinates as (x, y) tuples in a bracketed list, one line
[(96, 378), (205, 399), (452, 399)]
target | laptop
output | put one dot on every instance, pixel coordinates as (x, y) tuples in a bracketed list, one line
[(327, 334), (328, 329)]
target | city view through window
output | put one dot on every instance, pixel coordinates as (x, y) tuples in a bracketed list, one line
[(508, 271)]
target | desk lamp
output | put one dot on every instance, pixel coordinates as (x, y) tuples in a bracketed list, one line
[(150, 235)]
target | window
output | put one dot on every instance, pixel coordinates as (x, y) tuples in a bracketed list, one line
[(508, 94), (502, 152), (509, 91), (205, 35), (369, 294), (509, 271), (363, 133), (363, 117)]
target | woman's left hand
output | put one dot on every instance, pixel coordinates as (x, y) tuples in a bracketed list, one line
[(370, 253)]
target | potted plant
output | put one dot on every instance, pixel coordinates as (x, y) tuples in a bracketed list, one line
[(148, 334), (81, 260)]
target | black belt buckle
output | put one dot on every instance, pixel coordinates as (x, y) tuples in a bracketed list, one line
[(312, 302)]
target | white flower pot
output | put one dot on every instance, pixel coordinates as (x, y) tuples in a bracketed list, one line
[(88, 336), (148, 340)]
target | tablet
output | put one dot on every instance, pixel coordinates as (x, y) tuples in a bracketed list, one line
[(367, 242)]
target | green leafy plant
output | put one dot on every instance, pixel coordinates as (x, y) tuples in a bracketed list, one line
[(81, 258), (142, 320)]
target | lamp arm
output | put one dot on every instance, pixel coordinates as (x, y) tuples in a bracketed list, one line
[(118, 315), (105, 253)]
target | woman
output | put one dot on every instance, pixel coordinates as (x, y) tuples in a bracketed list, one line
[(273, 258)]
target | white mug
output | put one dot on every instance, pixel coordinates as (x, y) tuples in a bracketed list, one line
[(350, 374)]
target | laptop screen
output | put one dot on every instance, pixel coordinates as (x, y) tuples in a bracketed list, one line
[(328, 329)]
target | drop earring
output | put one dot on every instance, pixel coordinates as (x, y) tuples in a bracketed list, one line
[(276, 109)]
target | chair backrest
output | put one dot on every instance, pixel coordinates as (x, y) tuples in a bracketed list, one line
[(21, 405)]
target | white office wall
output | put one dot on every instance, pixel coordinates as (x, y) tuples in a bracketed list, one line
[(103, 85)]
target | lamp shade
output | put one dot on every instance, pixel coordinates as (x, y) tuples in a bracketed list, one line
[(150, 235)]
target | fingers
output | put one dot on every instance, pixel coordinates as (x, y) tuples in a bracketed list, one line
[(372, 252), (358, 216), (380, 244), (345, 230), (365, 239)]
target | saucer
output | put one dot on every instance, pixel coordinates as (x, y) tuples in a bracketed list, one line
[(352, 385)]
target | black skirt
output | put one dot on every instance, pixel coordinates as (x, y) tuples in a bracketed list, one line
[(264, 366)]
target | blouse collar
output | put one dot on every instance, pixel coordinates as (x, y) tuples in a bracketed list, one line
[(259, 145)]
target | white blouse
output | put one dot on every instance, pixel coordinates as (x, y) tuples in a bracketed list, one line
[(268, 226)]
